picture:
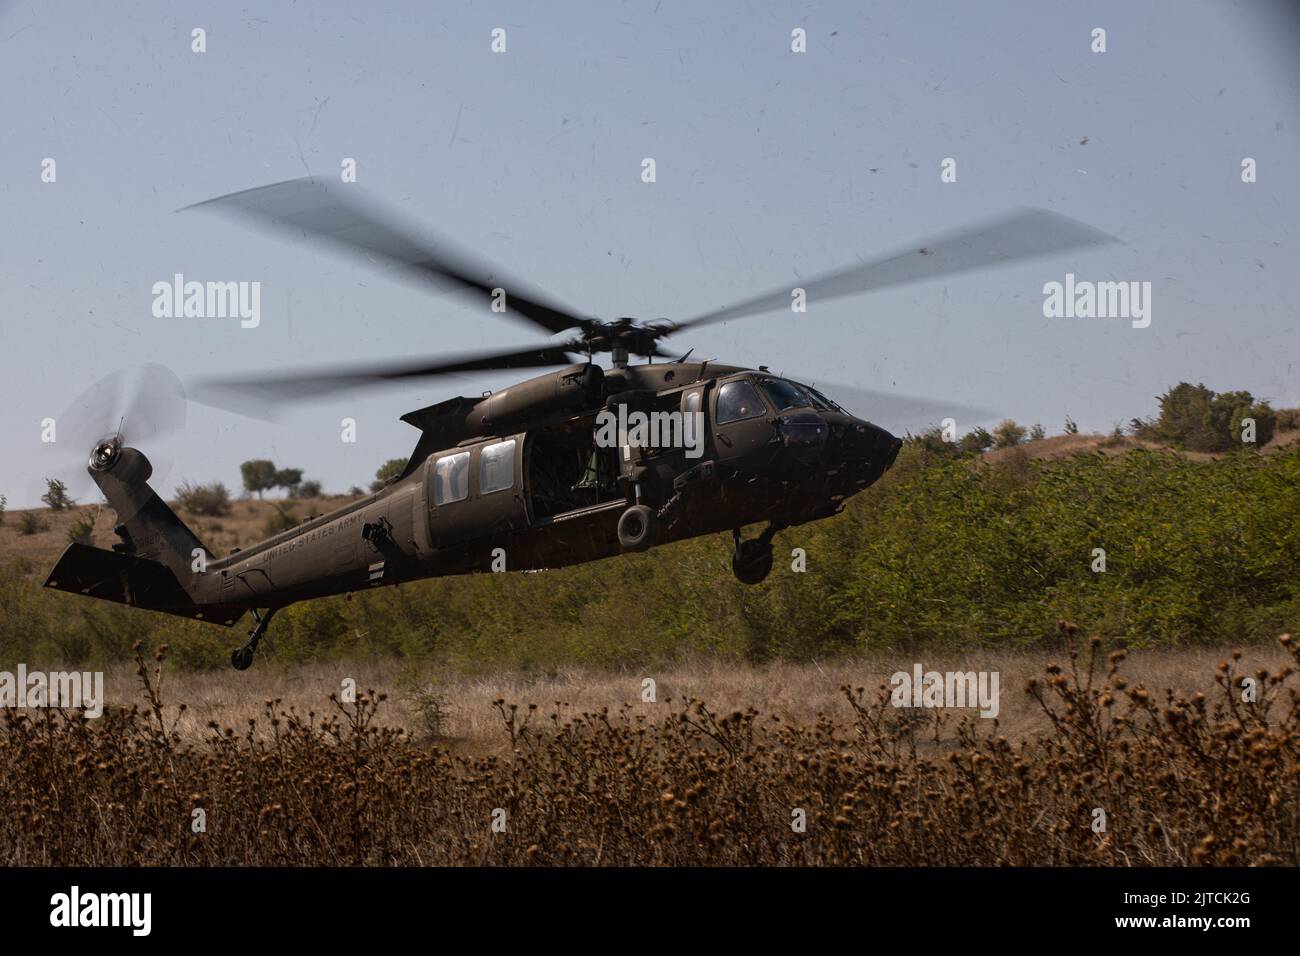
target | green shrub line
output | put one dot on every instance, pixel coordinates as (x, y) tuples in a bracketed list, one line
[(945, 551)]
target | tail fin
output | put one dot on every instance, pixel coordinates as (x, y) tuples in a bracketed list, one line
[(154, 564), (148, 528)]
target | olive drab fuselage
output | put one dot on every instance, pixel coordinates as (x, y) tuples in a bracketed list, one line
[(517, 481)]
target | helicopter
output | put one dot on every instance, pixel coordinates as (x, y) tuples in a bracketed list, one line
[(578, 464)]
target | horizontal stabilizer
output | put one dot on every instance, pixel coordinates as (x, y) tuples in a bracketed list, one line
[(137, 582)]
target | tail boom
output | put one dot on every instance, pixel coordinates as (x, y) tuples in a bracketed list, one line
[(159, 562)]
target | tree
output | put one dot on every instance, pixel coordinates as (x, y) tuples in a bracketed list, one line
[(387, 472), (1008, 434), (1071, 426), (1197, 418), (258, 475), (310, 489), (1037, 433), (1231, 410), (56, 495), (289, 479)]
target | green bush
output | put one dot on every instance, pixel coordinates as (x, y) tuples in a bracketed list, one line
[(1008, 434), (82, 528), (977, 440), (211, 500), (932, 440), (281, 519), (1199, 419), (32, 523)]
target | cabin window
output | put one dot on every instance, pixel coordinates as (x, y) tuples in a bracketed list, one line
[(496, 467), (691, 401), (451, 478), (738, 400)]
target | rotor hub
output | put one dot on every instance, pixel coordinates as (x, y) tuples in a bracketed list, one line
[(106, 453), (623, 336)]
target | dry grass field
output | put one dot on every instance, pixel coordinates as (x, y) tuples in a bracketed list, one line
[(458, 712), (797, 773)]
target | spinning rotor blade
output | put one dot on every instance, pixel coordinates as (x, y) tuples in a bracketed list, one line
[(254, 394), (310, 206), (1023, 234), (141, 405), (899, 413)]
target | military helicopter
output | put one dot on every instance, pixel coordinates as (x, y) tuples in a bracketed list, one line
[(574, 465)]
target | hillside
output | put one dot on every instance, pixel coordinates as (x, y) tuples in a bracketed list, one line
[(945, 552), (248, 521)]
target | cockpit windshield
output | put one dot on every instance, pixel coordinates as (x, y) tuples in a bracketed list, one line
[(785, 394), (821, 401)]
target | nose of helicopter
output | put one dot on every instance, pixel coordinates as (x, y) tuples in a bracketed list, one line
[(804, 435), (866, 448)]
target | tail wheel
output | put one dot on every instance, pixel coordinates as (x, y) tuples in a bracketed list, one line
[(751, 562), (636, 528)]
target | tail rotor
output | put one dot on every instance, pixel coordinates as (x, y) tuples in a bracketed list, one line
[(137, 407)]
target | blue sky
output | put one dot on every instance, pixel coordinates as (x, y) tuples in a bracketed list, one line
[(771, 165)]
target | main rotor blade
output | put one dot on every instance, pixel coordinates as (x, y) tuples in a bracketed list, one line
[(1021, 234), (310, 206), (898, 413), (258, 393)]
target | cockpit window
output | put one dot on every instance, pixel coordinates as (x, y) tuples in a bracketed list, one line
[(785, 394), (821, 401), (738, 400)]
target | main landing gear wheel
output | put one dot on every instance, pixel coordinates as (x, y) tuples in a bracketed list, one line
[(241, 658), (636, 528), (751, 562)]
